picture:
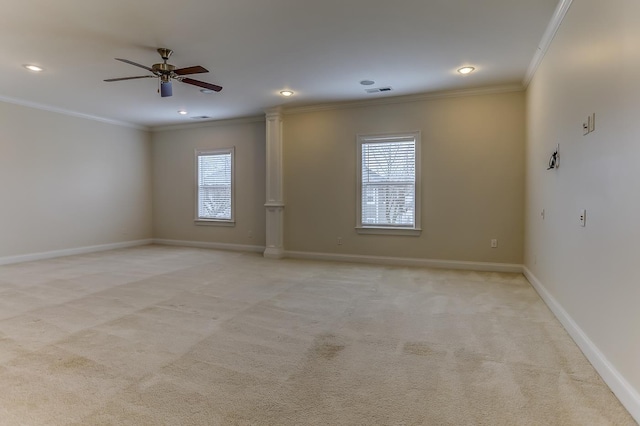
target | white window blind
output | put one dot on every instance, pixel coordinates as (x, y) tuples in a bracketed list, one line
[(388, 182), (215, 181)]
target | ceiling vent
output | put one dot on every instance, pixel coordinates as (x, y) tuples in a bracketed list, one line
[(378, 90), (201, 117)]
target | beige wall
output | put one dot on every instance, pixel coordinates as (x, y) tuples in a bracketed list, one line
[(472, 186), (592, 272), (68, 182), (174, 182)]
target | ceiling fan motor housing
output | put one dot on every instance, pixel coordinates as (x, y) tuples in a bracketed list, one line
[(163, 68)]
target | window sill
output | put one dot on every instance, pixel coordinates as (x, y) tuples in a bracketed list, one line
[(211, 222), (414, 232)]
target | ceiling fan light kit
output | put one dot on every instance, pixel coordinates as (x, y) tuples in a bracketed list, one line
[(166, 72), (165, 89)]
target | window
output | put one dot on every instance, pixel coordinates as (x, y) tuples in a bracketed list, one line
[(214, 197), (389, 184)]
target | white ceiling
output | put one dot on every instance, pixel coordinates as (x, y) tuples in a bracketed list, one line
[(255, 48)]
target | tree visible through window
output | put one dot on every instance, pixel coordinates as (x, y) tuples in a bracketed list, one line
[(388, 181), (215, 181)]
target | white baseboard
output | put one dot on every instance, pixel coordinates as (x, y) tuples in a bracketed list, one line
[(274, 253), (381, 260), (405, 261), (628, 396), (70, 252), (208, 245)]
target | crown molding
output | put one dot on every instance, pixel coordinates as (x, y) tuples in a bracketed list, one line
[(547, 38), (406, 99), (210, 123), (76, 114), (273, 112), (279, 110)]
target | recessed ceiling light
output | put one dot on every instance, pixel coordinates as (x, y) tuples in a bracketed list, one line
[(207, 91), (286, 93), (34, 68), (367, 82), (182, 112), (466, 70)]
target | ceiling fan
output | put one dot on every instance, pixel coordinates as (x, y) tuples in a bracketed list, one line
[(167, 72)]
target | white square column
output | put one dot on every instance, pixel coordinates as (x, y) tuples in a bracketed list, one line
[(274, 203)]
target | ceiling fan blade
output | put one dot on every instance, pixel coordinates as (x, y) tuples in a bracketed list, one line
[(191, 70), (126, 61), (198, 83), (130, 78)]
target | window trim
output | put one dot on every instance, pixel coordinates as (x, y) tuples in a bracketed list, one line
[(386, 229), (209, 221)]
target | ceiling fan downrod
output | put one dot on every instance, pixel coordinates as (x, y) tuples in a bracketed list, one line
[(165, 53)]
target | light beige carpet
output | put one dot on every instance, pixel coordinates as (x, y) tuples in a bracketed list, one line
[(178, 336)]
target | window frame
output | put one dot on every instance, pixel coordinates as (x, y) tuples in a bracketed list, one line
[(213, 221), (361, 228)]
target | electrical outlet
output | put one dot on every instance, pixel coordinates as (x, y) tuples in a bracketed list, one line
[(542, 213), (250, 234), (494, 243), (339, 241), (583, 217)]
